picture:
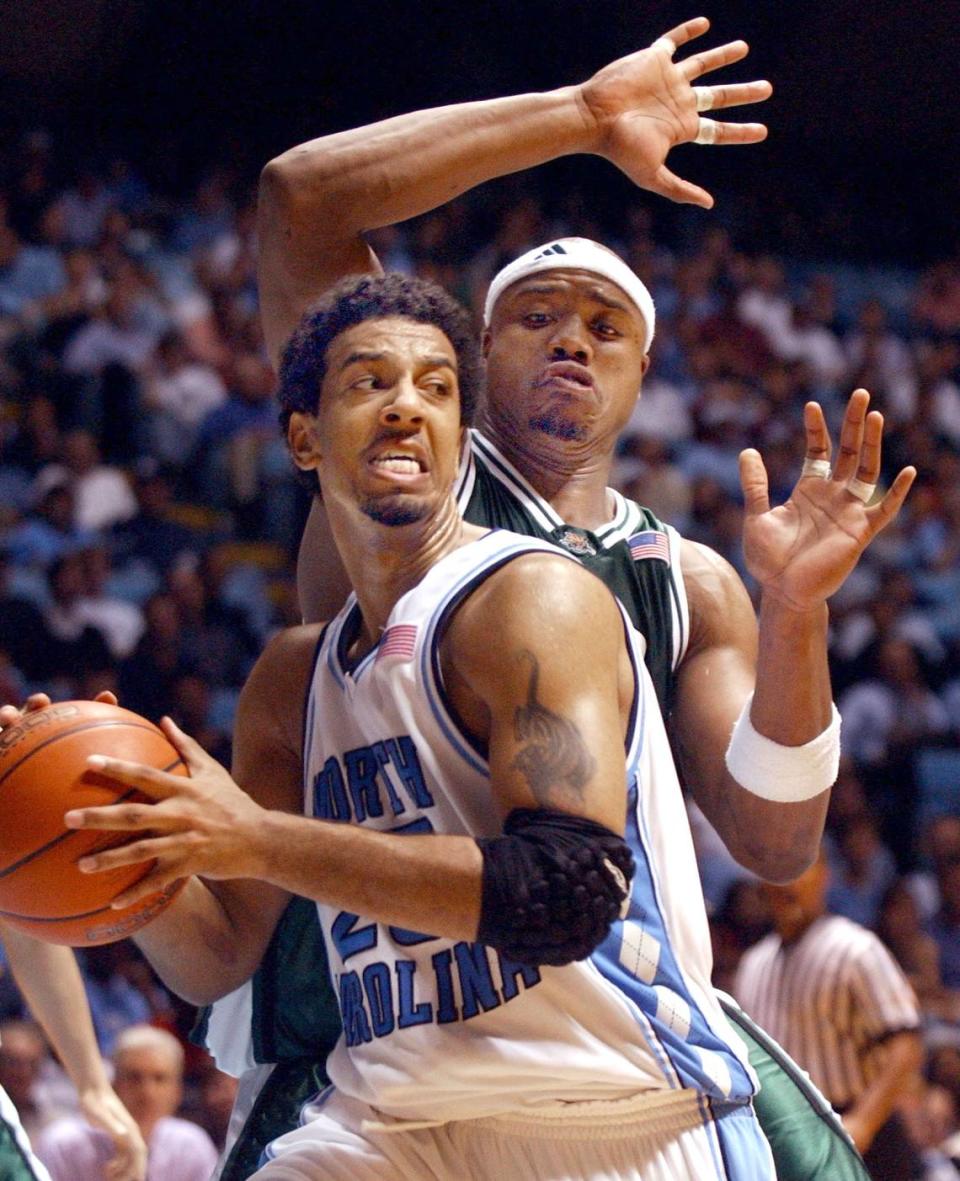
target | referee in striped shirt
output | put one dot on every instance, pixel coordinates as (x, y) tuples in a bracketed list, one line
[(832, 995)]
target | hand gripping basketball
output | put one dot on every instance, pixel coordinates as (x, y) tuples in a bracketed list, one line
[(43, 774)]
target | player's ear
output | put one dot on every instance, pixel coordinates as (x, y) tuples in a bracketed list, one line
[(646, 363), (302, 439), (485, 342)]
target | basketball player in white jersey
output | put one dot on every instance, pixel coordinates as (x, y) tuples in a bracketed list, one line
[(50, 981), (517, 935)]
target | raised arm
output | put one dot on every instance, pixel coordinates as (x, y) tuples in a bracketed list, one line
[(317, 199), (555, 742), (50, 981), (800, 553)]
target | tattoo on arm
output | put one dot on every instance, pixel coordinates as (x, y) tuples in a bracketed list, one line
[(554, 756)]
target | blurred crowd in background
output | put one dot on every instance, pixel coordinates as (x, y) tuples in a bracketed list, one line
[(149, 516)]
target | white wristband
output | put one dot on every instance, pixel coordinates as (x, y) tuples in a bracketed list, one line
[(783, 774)]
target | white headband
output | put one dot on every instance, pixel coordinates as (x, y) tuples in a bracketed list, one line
[(576, 254)]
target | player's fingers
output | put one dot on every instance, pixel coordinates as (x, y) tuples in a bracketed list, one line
[(193, 753), (818, 445), (132, 853), (155, 782), (868, 469), (125, 1166), (713, 59), (880, 515), (9, 715), (851, 437), (121, 818), (159, 879), (685, 32), (711, 133), (674, 188), (715, 98), (754, 483), (107, 698)]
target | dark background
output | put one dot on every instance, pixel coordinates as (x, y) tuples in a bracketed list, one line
[(862, 158)]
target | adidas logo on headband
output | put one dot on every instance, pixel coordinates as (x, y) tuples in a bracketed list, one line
[(578, 254)]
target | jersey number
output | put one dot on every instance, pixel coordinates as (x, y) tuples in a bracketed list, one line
[(349, 939)]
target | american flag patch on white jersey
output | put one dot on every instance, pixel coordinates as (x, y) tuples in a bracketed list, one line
[(398, 642), (650, 544)]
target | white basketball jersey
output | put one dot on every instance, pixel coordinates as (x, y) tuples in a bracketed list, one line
[(437, 1029)]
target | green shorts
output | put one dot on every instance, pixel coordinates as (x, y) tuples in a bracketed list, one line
[(806, 1137)]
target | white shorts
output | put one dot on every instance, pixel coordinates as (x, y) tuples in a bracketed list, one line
[(669, 1136), (9, 1116)]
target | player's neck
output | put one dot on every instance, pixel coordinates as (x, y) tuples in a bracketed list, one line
[(383, 562), (572, 477)]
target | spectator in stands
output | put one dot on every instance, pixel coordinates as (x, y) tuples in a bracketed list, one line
[(150, 537), (900, 927), (945, 924), (862, 870), (77, 646), (50, 531), (84, 207), (179, 393), (29, 275), (894, 709), (23, 634), (101, 492), (148, 1077), (115, 1003), (146, 678), (39, 1089)]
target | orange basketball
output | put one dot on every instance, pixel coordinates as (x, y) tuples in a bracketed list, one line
[(43, 774)]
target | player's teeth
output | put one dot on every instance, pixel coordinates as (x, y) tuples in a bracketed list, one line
[(397, 463)]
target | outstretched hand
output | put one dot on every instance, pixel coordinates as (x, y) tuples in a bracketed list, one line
[(802, 551), (641, 106), (204, 825)]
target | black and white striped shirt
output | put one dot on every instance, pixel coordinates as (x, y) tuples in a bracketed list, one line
[(831, 1000)]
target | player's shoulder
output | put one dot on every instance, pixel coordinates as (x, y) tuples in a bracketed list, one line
[(281, 673), (720, 608), (538, 595), (545, 579), (291, 647)]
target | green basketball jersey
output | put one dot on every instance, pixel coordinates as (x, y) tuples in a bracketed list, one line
[(633, 553)]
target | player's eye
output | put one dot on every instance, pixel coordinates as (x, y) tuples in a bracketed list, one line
[(367, 381), (606, 329), (536, 319)]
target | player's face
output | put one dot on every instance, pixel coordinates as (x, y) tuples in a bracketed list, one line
[(387, 431), (565, 358)]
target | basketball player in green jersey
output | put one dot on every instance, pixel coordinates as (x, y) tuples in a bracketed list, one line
[(317, 201)]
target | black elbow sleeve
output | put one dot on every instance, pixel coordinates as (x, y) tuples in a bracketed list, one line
[(552, 885)]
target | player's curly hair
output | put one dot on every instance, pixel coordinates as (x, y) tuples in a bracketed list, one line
[(372, 297)]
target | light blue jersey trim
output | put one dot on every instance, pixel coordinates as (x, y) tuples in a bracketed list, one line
[(677, 1053)]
